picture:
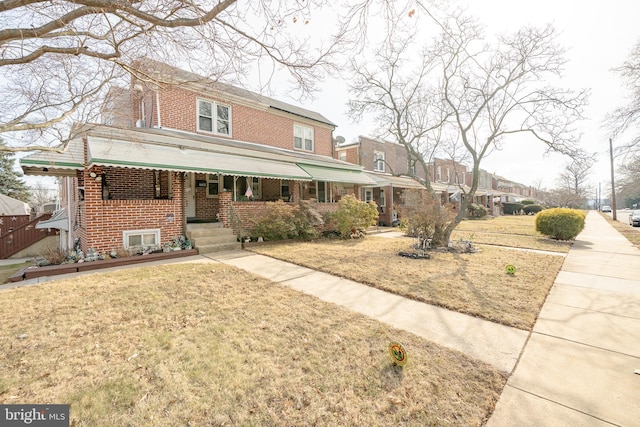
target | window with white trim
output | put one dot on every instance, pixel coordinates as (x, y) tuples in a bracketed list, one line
[(368, 195), (144, 239), (214, 117), (342, 155), (303, 137), (378, 161)]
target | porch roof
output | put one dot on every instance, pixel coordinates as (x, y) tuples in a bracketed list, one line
[(383, 180), (333, 174), (126, 154), (58, 220), (161, 149)]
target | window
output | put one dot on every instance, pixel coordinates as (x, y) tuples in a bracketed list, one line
[(162, 184), (302, 137), (285, 191), (439, 174), (256, 187), (378, 161), (383, 199), (448, 175), (214, 118), (368, 195), (213, 188), (141, 238), (342, 156)]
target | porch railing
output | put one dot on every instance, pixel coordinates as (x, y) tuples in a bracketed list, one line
[(15, 238)]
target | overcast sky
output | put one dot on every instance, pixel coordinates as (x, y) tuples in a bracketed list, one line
[(598, 36)]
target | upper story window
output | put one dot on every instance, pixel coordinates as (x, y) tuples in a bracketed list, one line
[(303, 137), (378, 161), (342, 156), (214, 118)]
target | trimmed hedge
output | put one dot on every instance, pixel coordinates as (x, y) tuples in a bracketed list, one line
[(510, 208), (560, 223), (532, 209)]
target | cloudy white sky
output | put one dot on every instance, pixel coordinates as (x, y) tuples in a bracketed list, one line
[(598, 36)]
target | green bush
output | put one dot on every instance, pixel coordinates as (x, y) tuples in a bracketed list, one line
[(528, 202), (284, 221), (476, 211), (353, 216), (532, 209), (560, 223), (510, 208), (277, 222)]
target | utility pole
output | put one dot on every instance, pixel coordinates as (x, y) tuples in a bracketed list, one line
[(613, 186)]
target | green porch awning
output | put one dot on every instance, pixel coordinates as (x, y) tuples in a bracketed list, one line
[(126, 154), (342, 175)]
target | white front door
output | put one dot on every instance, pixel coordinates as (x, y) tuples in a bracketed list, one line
[(190, 195)]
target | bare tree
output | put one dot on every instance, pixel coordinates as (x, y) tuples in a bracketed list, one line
[(573, 184), (404, 106), (628, 185), (485, 93), (627, 118), (59, 58)]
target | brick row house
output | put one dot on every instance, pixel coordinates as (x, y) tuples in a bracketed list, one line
[(189, 150), (388, 164), (393, 171)]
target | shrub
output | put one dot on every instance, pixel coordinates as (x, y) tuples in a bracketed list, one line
[(277, 222), (528, 202), (307, 221), (476, 211), (560, 223), (422, 215), (532, 209), (510, 208), (353, 216)]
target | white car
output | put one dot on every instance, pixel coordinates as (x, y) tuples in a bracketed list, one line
[(606, 209)]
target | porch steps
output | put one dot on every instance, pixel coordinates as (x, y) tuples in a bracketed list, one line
[(212, 237)]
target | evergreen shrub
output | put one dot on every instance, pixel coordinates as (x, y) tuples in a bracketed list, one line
[(560, 223)]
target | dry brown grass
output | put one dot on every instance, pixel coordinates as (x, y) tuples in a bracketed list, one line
[(195, 344), (631, 233), (518, 231), (7, 271), (475, 284)]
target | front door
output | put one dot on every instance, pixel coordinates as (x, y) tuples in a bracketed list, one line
[(190, 195)]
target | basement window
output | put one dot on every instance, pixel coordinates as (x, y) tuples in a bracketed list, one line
[(141, 239)]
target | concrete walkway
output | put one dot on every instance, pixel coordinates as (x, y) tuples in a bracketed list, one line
[(578, 367), (490, 342)]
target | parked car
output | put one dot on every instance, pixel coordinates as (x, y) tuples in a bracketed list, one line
[(606, 209), (634, 218)]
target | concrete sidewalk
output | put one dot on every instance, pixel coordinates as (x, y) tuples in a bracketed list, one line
[(490, 342), (577, 368)]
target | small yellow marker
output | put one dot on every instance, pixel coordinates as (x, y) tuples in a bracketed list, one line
[(398, 354), (511, 269)]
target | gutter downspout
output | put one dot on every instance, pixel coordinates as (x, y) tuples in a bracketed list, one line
[(183, 214)]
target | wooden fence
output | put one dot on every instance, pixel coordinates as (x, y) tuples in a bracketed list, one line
[(18, 232)]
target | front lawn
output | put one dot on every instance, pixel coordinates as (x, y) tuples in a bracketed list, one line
[(208, 344)]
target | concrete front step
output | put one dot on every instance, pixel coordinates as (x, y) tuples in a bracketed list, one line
[(212, 237)]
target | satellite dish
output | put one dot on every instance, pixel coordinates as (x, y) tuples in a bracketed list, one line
[(340, 139)]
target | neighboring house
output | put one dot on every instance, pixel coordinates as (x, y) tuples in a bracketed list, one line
[(191, 150), (393, 171)]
